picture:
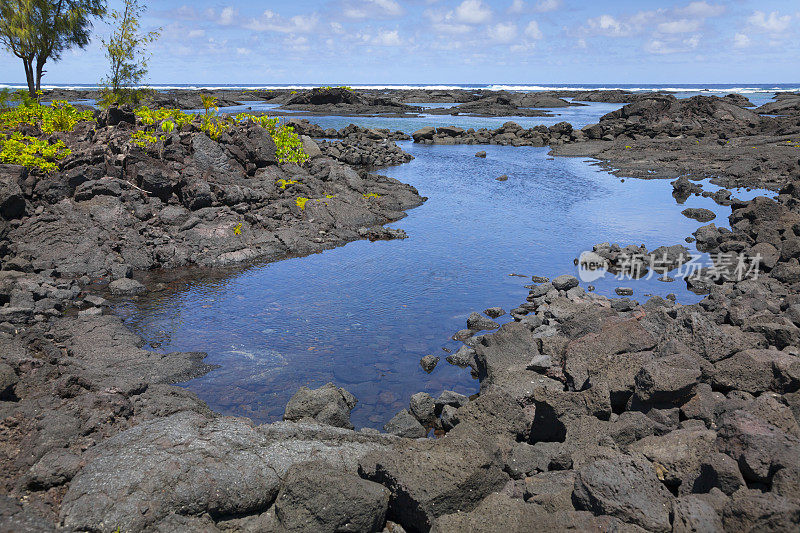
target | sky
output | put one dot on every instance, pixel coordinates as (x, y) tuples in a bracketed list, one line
[(454, 41)]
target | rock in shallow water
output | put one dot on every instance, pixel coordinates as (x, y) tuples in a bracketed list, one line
[(495, 312), (126, 287), (565, 282), (429, 363), (701, 215), (478, 322), (328, 404), (404, 424)]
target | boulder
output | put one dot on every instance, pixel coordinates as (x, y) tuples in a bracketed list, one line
[(114, 116), (192, 465), (670, 379), (422, 407), (625, 488), (126, 287), (692, 514), (310, 147), (196, 194), (752, 510), (8, 378), (429, 363), (318, 497), (12, 201), (478, 322), (679, 454), (760, 448), (425, 133), (454, 476), (404, 424), (494, 312), (701, 215), (565, 282), (328, 404), (757, 371)]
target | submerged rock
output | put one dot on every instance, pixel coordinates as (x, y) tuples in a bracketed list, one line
[(429, 363)]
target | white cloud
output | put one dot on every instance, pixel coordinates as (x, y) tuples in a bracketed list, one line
[(363, 9), (227, 16), (443, 23), (663, 47), (382, 38), (772, 23), (517, 6), (545, 6), (193, 34), (701, 10), (679, 26), (533, 31), (473, 12), (389, 38), (389, 6), (503, 32), (244, 51), (740, 40), (271, 21), (608, 25), (186, 12)]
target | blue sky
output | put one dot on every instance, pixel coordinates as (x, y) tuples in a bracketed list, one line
[(457, 41)]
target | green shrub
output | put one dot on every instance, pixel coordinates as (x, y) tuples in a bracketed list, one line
[(62, 116), (150, 117), (19, 149), (289, 147), (143, 139), (122, 96), (59, 116)]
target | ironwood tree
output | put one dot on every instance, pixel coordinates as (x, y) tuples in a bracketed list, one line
[(38, 31)]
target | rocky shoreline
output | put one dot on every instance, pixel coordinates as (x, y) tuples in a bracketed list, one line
[(593, 413), (344, 101)]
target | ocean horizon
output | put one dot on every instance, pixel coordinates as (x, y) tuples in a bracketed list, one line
[(742, 88)]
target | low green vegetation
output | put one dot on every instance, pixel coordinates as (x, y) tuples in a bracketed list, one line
[(328, 88), (19, 149), (282, 183), (289, 146), (20, 111), (58, 116)]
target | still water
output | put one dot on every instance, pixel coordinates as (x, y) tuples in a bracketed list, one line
[(364, 314)]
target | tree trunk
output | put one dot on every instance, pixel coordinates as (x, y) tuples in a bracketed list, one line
[(28, 62), (39, 72)]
